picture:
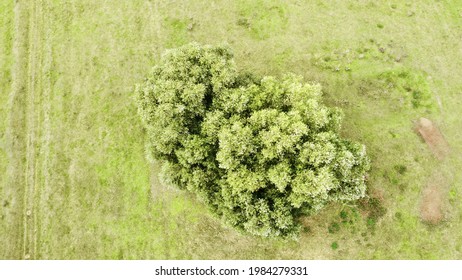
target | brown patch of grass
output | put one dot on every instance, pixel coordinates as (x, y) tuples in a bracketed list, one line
[(433, 198), (433, 137), (432, 201), (372, 209)]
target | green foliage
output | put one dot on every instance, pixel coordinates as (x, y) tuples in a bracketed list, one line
[(343, 214), (374, 209), (263, 18), (333, 227), (453, 194), (259, 152), (401, 169), (412, 86)]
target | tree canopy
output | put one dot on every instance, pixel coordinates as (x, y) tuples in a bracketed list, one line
[(259, 152)]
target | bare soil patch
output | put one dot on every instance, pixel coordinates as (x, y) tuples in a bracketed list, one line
[(432, 201), (433, 137), (433, 198)]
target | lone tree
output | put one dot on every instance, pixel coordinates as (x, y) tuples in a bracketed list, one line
[(259, 152)]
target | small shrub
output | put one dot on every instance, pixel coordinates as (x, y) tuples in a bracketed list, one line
[(376, 209), (333, 227), (307, 229), (343, 215), (452, 194), (402, 187), (401, 169), (334, 245), (371, 222), (244, 22)]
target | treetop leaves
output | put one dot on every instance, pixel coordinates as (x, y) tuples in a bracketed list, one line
[(257, 151)]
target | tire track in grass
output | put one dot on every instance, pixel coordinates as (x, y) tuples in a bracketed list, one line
[(44, 195), (41, 123), (16, 136), (33, 132), (28, 219), (41, 126)]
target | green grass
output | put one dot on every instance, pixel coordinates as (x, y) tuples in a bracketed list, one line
[(6, 46), (75, 182)]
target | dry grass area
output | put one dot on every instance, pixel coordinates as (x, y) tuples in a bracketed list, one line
[(433, 137), (434, 194), (434, 197)]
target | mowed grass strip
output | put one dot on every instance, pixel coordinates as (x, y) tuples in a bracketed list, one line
[(33, 130), (7, 21), (15, 138)]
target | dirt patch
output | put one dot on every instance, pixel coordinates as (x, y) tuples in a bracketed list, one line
[(430, 210), (433, 137), (378, 193), (433, 198)]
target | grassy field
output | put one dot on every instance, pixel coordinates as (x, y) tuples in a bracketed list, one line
[(74, 179)]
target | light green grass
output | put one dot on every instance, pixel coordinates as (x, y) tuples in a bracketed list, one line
[(72, 146), (6, 48)]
